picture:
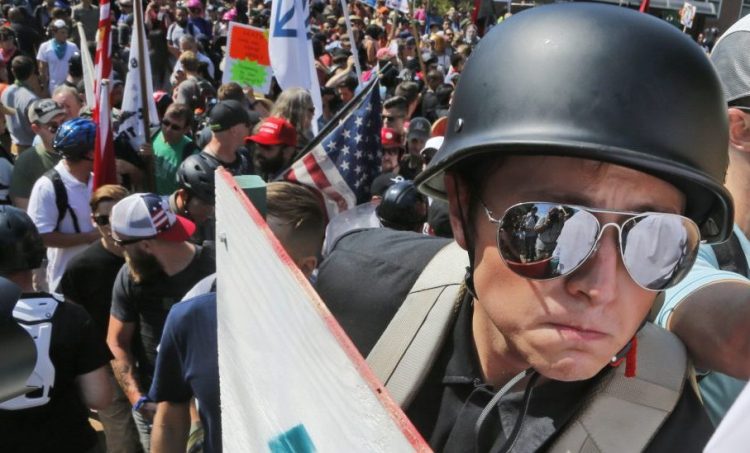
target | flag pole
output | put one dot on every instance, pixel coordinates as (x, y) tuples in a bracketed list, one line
[(138, 26), (88, 67), (350, 33)]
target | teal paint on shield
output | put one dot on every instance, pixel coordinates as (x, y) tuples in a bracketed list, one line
[(296, 440)]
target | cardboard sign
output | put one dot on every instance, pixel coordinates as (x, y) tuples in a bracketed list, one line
[(687, 14), (247, 62), (290, 378)]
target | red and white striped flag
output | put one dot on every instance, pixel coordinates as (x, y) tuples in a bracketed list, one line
[(104, 157)]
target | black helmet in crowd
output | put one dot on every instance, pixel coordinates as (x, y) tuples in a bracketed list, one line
[(75, 138), (598, 82), (196, 175), (21, 246), (402, 207)]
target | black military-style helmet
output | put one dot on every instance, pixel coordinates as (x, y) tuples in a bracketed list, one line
[(21, 246), (599, 82), (196, 175), (402, 207)]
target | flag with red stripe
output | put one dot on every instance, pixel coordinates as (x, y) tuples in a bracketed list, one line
[(345, 162), (104, 156)]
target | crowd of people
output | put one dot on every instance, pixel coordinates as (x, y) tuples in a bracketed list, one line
[(540, 156)]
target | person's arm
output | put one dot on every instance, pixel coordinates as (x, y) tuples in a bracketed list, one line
[(342, 75), (119, 338), (95, 388), (43, 75), (713, 323), (65, 240), (171, 427)]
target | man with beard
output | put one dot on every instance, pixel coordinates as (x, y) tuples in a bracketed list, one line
[(276, 142), (161, 266)]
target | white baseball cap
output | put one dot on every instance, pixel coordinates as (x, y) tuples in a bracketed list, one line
[(147, 216)]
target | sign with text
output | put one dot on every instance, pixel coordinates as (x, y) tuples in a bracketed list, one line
[(247, 62), (687, 14)]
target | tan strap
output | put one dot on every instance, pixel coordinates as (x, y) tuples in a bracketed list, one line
[(406, 350), (623, 414)]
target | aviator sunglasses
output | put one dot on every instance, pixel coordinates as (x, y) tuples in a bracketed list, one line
[(542, 241)]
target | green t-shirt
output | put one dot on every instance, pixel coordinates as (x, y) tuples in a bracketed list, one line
[(30, 165), (168, 160)]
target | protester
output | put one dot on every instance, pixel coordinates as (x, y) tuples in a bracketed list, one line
[(54, 55), (275, 146), (69, 99), (296, 106), (194, 197), (100, 262), (45, 116), (229, 123), (59, 202), (187, 363), (172, 146), (19, 97), (550, 339), (71, 366)]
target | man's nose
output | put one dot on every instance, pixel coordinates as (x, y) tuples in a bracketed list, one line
[(597, 278)]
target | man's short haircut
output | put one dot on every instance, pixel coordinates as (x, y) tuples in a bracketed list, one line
[(298, 209), (408, 90), (22, 67), (436, 75), (231, 90), (443, 93), (396, 103), (107, 192), (181, 111), (189, 61)]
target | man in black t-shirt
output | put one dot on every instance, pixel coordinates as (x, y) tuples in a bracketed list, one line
[(100, 262), (161, 267), (70, 373), (229, 123)]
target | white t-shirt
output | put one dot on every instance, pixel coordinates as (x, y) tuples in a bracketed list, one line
[(43, 212), (202, 58), (58, 68)]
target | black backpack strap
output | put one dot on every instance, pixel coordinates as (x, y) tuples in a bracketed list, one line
[(61, 200), (730, 256)]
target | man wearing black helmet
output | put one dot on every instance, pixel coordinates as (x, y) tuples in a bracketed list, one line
[(59, 202), (72, 361), (194, 197), (553, 353), (402, 207)]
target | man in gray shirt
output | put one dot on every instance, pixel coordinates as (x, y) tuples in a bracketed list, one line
[(19, 97)]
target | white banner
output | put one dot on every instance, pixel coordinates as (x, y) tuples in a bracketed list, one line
[(131, 115), (88, 67), (290, 48)]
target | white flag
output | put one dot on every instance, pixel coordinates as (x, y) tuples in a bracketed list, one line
[(290, 49), (131, 116)]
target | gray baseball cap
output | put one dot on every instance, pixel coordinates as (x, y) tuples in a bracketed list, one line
[(732, 60), (42, 111)]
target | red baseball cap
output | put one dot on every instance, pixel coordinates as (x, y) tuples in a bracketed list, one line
[(275, 131), (390, 138)]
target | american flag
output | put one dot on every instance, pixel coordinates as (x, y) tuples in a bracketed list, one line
[(344, 163), (104, 157)]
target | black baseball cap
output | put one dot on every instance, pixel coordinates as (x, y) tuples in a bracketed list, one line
[(227, 114)]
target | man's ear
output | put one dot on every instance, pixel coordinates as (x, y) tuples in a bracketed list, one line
[(739, 129), (36, 128), (458, 206), (307, 265)]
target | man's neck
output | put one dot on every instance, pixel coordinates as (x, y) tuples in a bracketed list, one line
[(179, 257), (226, 154), (738, 184), (79, 170)]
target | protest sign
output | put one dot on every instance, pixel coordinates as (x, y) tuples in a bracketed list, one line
[(247, 62), (687, 14), (290, 378)]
